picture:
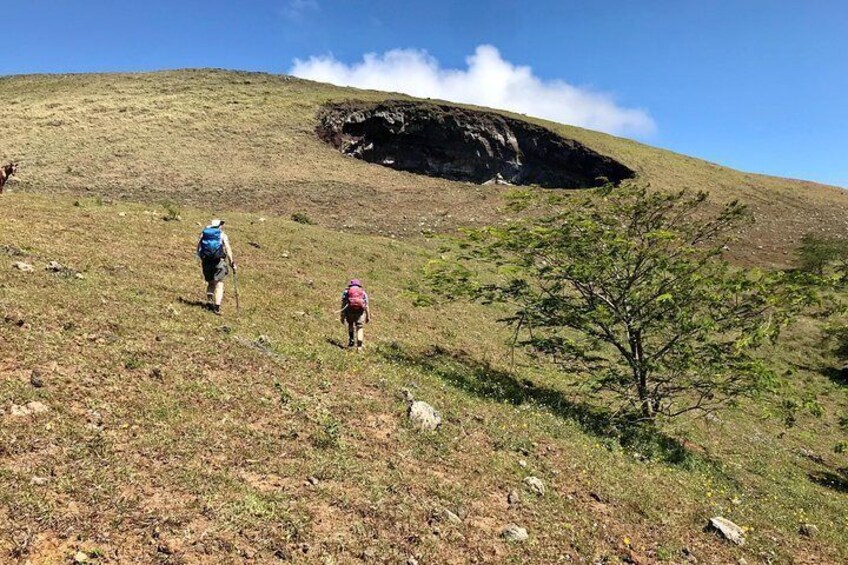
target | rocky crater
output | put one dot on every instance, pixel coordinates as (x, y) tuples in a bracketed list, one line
[(466, 145)]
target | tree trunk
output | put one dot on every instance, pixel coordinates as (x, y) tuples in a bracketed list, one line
[(644, 399)]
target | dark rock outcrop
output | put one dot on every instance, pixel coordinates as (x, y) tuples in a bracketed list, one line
[(461, 144)]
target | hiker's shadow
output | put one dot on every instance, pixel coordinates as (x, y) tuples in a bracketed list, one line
[(336, 343), (459, 369), (203, 305)]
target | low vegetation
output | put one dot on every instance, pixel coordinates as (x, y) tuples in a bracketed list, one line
[(174, 436), (136, 427)]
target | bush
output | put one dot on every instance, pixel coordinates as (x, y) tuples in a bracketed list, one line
[(302, 218), (820, 255)]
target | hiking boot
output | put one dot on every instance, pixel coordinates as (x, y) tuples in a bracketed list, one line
[(210, 297), (216, 308)]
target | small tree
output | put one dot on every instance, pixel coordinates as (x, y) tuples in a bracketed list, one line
[(628, 287), (819, 254)]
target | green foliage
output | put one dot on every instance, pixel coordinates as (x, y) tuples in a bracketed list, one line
[(627, 287), (302, 218), (172, 212), (823, 255)]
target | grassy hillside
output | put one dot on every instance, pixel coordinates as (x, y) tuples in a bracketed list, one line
[(173, 436), (165, 434), (246, 141)]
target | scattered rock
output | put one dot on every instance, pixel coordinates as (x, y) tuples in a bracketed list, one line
[(412, 561), (122, 214), (33, 407), (36, 379), (522, 463), (513, 497), (12, 251), (450, 517), (21, 266), (423, 416), (39, 481), (313, 481), (536, 485), (811, 455), (55, 267), (728, 530), (514, 533), (809, 530), (80, 557)]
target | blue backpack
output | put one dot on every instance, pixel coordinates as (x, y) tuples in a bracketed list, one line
[(211, 244)]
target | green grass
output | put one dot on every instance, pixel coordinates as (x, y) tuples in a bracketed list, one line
[(245, 141), (171, 430)]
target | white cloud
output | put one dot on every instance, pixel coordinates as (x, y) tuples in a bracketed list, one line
[(295, 10), (488, 80)]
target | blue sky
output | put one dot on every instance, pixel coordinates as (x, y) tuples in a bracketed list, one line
[(757, 85)]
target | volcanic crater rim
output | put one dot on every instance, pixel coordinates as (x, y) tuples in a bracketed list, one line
[(461, 144)]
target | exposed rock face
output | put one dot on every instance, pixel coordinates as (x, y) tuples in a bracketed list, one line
[(466, 145)]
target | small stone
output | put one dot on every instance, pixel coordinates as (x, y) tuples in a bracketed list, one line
[(36, 379), (21, 266), (451, 517), (536, 485), (122, 214), (39, 481), (809, 530), (728, 530), (522, 463), (36, 407), (54, 266), (313, 481), (423, 416), (80, 557), (513, 497), (514, 533), (412, 561)]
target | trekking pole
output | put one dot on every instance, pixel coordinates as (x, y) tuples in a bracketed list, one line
[(235, 288)]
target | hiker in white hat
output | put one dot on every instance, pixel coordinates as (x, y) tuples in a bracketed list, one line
[(216, 256)]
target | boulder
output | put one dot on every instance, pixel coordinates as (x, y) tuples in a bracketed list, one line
[(423, 416), (809, 530), (514, 533), (513, 497), (536, 485), (728, 530)]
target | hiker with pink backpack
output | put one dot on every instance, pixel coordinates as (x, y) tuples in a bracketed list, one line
[(355, 313)]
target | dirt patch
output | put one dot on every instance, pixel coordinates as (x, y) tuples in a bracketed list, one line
[(466, 145)]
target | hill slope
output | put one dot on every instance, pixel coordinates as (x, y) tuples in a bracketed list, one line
[(167, 435), (246, 141), (174, 436)]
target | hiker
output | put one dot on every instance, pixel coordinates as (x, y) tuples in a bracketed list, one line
[(6, 172), (355, 313), (215, 253)]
